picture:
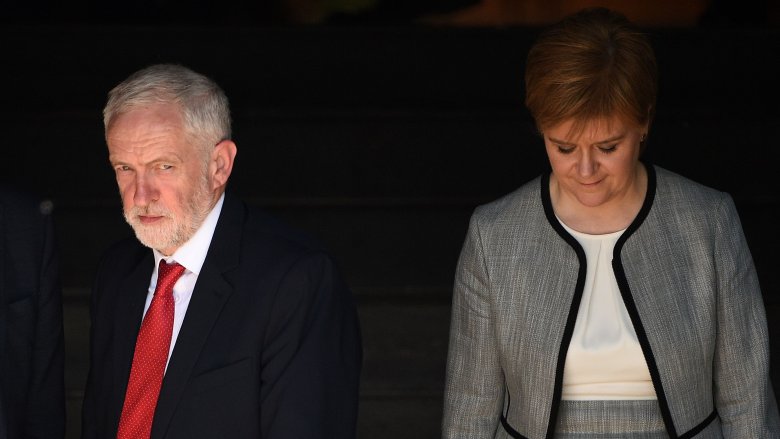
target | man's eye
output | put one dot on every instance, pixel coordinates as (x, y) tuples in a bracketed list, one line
[(122, 168), (165, 167)]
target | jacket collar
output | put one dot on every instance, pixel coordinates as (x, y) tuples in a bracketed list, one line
[(647, 204), (212, 290), (625, 291)]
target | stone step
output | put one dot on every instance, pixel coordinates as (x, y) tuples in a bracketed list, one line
[(405, 344), (405, 347)]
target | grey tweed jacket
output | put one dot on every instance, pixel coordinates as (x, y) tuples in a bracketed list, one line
[(687, 279)]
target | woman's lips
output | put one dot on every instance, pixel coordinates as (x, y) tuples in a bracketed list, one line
[(591, 184)]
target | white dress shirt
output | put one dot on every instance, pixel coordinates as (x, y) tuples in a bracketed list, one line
[(605, 360), (191, 256)]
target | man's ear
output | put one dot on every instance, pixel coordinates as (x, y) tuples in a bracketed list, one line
[(221, 164)]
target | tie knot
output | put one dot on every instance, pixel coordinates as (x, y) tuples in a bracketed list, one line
[(167, 275)]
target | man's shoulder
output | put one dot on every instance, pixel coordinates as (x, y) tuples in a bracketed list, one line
[(126, 252), (22, 205), (261, 245), (25, 222), (264, 230)]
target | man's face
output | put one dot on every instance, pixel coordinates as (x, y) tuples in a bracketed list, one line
[(163, 178)]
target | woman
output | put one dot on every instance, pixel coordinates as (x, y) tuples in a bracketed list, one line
[(608, 297)]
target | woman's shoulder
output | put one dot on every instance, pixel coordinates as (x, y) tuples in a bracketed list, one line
[(681, 200), (675, 188), (522, 203)]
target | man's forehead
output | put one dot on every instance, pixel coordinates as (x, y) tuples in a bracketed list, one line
[(157, 116), (147, 131)]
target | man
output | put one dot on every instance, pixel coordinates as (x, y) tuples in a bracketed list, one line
[(32, 397), (248, 331)]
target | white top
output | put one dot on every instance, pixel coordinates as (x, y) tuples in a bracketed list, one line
[(191, 256), (605, 360)]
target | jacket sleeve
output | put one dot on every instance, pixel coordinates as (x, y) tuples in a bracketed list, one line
[(46, 399), (312, 355), (744, 398), (91, 401), (474, 389)]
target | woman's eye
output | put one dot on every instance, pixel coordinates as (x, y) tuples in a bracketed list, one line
[(608, 149), (565, 149)]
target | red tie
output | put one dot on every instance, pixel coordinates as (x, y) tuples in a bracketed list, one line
[(151, 355)]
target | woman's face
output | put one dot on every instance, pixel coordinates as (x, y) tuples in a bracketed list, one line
[(598, 164)]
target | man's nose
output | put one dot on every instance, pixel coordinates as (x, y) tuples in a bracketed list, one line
[(145, 191)]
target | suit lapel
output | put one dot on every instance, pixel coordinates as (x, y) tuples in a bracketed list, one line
[(130, 299), (211, 292)]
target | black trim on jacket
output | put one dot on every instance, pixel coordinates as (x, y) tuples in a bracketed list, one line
[(568, 330), (633, 312), (628, 300), (505, 423)]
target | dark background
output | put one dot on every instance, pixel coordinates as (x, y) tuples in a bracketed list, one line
[(377, 126)]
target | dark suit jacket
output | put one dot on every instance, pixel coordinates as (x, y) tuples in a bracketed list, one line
[(269, 347), (32, 401)]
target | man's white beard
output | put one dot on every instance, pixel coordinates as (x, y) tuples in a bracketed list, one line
[(172, 231)]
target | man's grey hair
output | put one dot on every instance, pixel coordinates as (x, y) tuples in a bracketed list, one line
[(203, 104)]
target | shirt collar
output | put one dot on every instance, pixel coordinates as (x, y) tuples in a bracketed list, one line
[(192, 254)]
